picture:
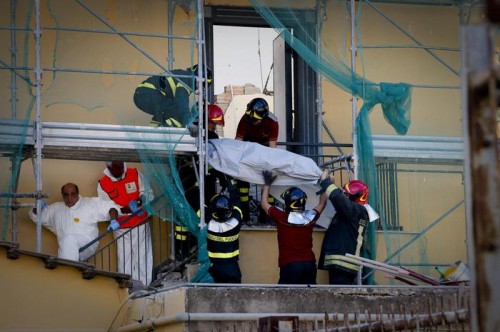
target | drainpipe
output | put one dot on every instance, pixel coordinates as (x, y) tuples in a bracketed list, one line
[(450, 317)]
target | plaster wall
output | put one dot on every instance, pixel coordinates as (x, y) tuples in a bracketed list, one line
[(36, 298), (104, 98)]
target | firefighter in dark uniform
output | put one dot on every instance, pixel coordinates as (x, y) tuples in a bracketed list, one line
[(168, 97), (223, 232), (346, 232), (258, 126), (184, 240)]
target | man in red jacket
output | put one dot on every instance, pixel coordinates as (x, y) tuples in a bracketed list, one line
[(260, 126), (129, 190), (295, 226)]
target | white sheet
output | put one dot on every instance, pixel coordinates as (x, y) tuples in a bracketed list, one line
[(246, 161)]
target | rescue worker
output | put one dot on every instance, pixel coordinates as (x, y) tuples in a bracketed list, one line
[(74, 221), (129, 190), (215, 118), (185, 241), (223, 231), (294, 226), (258, 125), (346, 232), (169, 97)]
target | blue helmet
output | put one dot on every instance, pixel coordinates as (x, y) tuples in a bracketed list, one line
[(295, 199), (257, 109), (221, 208)]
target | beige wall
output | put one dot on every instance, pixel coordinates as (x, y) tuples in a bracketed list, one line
[(101, 98), (36, 298)]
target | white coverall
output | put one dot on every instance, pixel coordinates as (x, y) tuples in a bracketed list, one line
[(134, 249), (75, 226)]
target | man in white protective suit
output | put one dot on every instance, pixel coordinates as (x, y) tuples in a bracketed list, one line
[(74, 221)]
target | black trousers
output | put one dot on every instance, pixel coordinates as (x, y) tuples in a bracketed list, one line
[(226, 272), (341, 277), (298, 273)]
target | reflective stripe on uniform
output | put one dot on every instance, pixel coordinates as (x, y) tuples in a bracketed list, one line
[(244, 198), (330, 188), (171, 122), (181, 233), (223, 238), (223, 254), (173, 87), (150, 86), (337, 260), (244, 190)]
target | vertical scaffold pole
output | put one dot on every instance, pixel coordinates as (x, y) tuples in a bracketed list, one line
[(354, 98), (38, 127), (202, 70)]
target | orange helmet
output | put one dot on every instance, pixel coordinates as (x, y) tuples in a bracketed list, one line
[(357, 191), (215, 115)]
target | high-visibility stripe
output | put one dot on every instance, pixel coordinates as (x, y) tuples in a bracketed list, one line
[(150, 86), (173, 121), (239, 210), (172, 84), (330, 188), (244, 198), (337, 260), (223, 254), (244, 190), (223, 238), (359, 240), (180, 237), (147, 85), (181, 229)]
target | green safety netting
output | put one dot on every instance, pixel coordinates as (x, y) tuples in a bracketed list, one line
[(94, 67), (393, 97), (104, 82)]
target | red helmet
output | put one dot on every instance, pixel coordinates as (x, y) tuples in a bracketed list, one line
[(215, 114), (357, 191)]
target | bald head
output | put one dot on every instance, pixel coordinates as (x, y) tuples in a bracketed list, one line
[(70, 192)]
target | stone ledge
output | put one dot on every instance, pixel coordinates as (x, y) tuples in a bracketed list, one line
[(52, 262)]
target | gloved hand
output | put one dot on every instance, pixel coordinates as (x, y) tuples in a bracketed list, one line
[(113, 225), (43, 204), (324, 184), (193, 130), (268, 177), (133, 206)]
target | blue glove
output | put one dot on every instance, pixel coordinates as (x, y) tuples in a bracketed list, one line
[(43, 204), (113, 225), (133, 205)]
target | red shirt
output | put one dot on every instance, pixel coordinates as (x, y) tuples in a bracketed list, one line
[(295, 242), (263, 132)]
